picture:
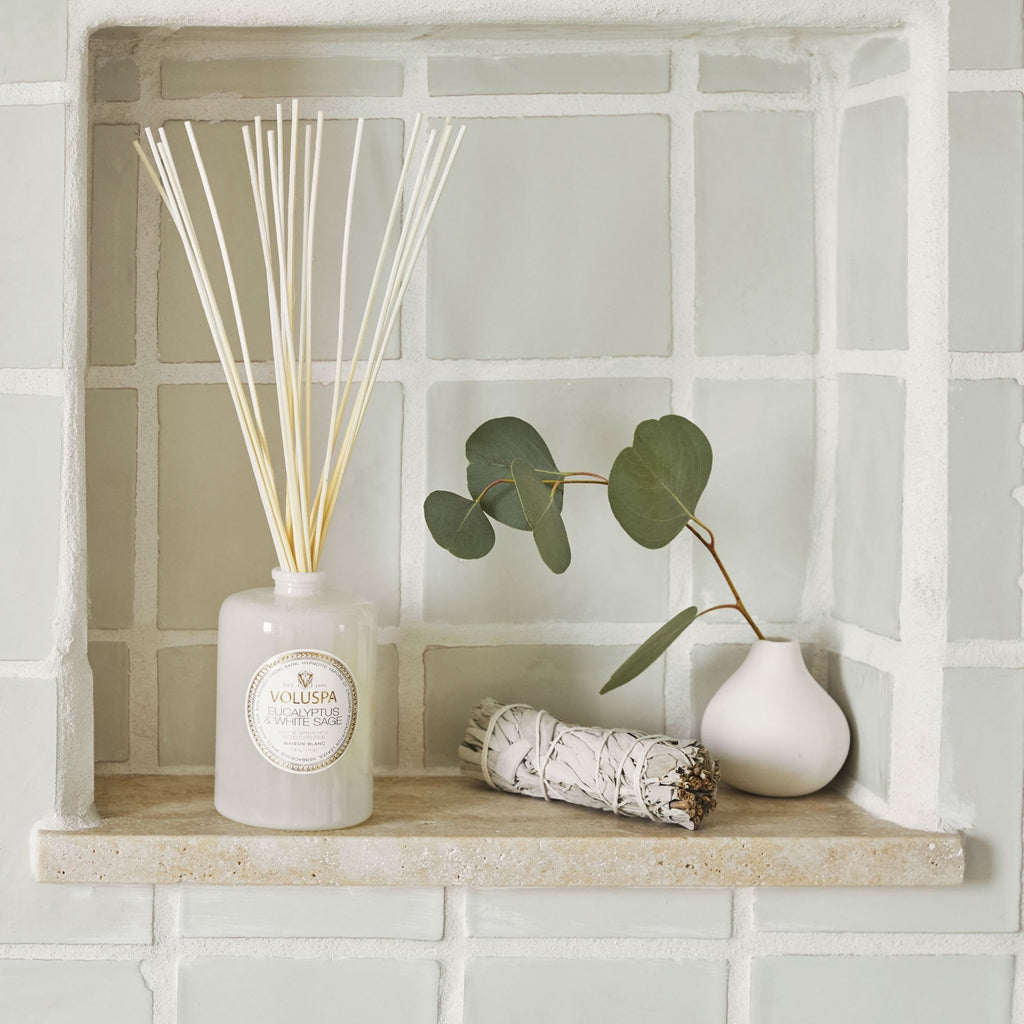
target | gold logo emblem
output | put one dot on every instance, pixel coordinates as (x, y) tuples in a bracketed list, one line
[(305, 679)]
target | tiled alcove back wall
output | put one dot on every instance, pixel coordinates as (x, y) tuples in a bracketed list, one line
[(634, 227)]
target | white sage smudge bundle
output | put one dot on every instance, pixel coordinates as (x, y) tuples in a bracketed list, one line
[(519, 749)]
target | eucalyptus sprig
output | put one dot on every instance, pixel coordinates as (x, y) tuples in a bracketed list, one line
[(653, 489)]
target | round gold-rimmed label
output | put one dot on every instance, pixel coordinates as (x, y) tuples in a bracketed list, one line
[(301, 710)]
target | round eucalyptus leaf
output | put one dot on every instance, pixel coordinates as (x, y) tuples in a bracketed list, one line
[(490, 450), (655, 484), (650, 650), (543, 516), (458, 524)]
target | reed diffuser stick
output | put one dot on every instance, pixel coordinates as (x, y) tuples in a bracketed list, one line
[(285, 200)]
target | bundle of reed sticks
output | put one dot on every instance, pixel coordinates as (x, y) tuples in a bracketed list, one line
[(299, 511)]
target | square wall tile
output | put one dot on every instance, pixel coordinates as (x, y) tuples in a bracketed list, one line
[(599, 913), (872, 260), (111, 422), (561, 680), (549, 73), (113, 211), (884, 990), (34, 41), (110, 664), (212, 990), (312, 912), (754, 232), (502, 990), (746, 73), (586, 423), (385, 708), (30, 456), (986, 221), (865, 695), (879, 58), (115, 79), (779, 469), (280, 77), (187, 689), (866, 542), (534, 251), (982, 763), (74, 992), (214, 539), (985, 34), (187, 704), (183, 332), (32, 213), (985, 417), (52, 913)]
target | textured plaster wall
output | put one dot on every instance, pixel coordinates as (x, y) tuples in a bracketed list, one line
[(920, 638)]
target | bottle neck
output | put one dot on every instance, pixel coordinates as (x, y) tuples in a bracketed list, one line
[(298, 584)]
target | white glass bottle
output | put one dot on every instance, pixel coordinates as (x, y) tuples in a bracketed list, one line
[(296, 672)]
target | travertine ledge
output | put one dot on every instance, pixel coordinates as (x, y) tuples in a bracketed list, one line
[(451, 831)]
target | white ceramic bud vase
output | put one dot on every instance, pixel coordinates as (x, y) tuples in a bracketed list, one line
[(773, 728), (296, 668)]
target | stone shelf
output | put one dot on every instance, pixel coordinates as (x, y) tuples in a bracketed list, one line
[(432, 831)]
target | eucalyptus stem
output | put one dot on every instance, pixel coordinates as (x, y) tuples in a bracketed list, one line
[(709, 543)]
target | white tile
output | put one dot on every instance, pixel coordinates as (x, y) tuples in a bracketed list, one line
[(986, 221), (872, 247), (187, 702), (985, 34), (74, 992), (33, 41), (214, 539), (561, 680), (212, 990), (112, 228), (869, 481), (385, 708), (984, 469), (884, 990), (311, 911), (747, 73), (50, 913), (110, 680), (865, 695), (182, 330), (30, 454), (116, 79), (280, 77), (111, 419), (754, 232), (599, 913), (534, 252), (586, 423), (32, 213), (982, 762), (549, 73), (879, 58), (502, 990), (779, 469)]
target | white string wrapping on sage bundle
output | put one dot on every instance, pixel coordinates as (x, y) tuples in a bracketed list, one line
[(520, 749)]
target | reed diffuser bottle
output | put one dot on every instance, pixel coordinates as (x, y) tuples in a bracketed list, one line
[(295, 692), (296, 662)]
